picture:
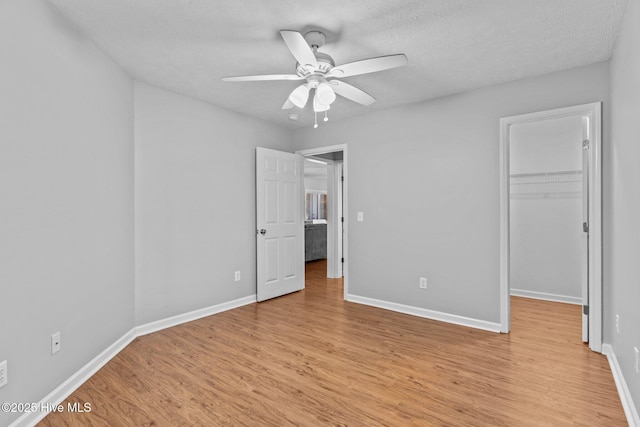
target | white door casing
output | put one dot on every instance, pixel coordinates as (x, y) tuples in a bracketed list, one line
[(338, 202), (331, 220), (585, 227), (279, 223)]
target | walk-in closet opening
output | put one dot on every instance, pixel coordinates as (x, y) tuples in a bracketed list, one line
[(547, 255), (551, 241)]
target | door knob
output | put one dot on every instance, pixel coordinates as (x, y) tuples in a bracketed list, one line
[(263, 231)]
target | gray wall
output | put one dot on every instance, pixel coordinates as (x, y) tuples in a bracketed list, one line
[(622, 198), (545, 227), (195, 202), (66, 192), (427, 178)]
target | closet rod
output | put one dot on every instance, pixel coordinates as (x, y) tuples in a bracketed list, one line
[(556, 177), (537, 174)]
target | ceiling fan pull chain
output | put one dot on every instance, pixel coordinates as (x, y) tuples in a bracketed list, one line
[(315, 124), (326, 119)]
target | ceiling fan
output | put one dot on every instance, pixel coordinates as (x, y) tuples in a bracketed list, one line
[(321, 74)]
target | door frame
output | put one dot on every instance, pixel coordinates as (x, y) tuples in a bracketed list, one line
[(338, 200), (345, 203), (333, 192), (594, 112)]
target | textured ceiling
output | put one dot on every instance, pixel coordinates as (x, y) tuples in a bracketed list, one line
[(187, 46)]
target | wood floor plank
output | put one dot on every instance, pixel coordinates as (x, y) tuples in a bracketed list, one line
[(312, 359)]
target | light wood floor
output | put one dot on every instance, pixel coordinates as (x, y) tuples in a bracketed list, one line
[(310, 359)]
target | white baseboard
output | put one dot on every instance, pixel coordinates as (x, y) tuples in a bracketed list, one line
[(159, 325), (64, 390), (625, 396), (429, 314), (546, 296)]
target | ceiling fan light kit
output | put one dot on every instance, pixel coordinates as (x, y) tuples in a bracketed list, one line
[(299, 96), (324, 94), (321, 74)]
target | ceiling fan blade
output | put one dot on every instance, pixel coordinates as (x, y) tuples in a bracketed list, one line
[(299, 48), (287, 105), (263, 78), (370, 65), (351, 92)]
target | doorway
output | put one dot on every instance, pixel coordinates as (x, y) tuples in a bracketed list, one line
[(546, 176), (334, 159), (323, 211)]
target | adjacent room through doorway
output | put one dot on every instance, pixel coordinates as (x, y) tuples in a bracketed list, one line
[(325, 209)]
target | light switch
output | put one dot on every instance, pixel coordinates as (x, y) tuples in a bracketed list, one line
[(360, 216)]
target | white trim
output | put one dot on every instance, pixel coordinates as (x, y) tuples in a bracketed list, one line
[(337, 241), (332, 221), (345, 204), (169, 322), (594, 112), (505, 194), (546, 296), (426, 313), (64, 390), (625, 396), (595, 231), (334, 230)]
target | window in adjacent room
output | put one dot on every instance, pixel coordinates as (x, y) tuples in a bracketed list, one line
[(316, 206)]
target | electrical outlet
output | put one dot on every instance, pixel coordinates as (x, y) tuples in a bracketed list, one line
[(423, 283), (618, 323), (635, 349), (360, 216), (237, 276), (55, 343), (3, 374)]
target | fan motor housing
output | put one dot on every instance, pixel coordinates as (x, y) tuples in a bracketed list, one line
[(315, 40), (325, 63)]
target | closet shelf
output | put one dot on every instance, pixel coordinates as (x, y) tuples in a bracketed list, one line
[(546, 177)]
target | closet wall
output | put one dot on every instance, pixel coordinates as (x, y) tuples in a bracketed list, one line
[(546, 209)]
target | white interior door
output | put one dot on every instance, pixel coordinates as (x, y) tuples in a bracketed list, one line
[(585, 228), (279, 223)]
